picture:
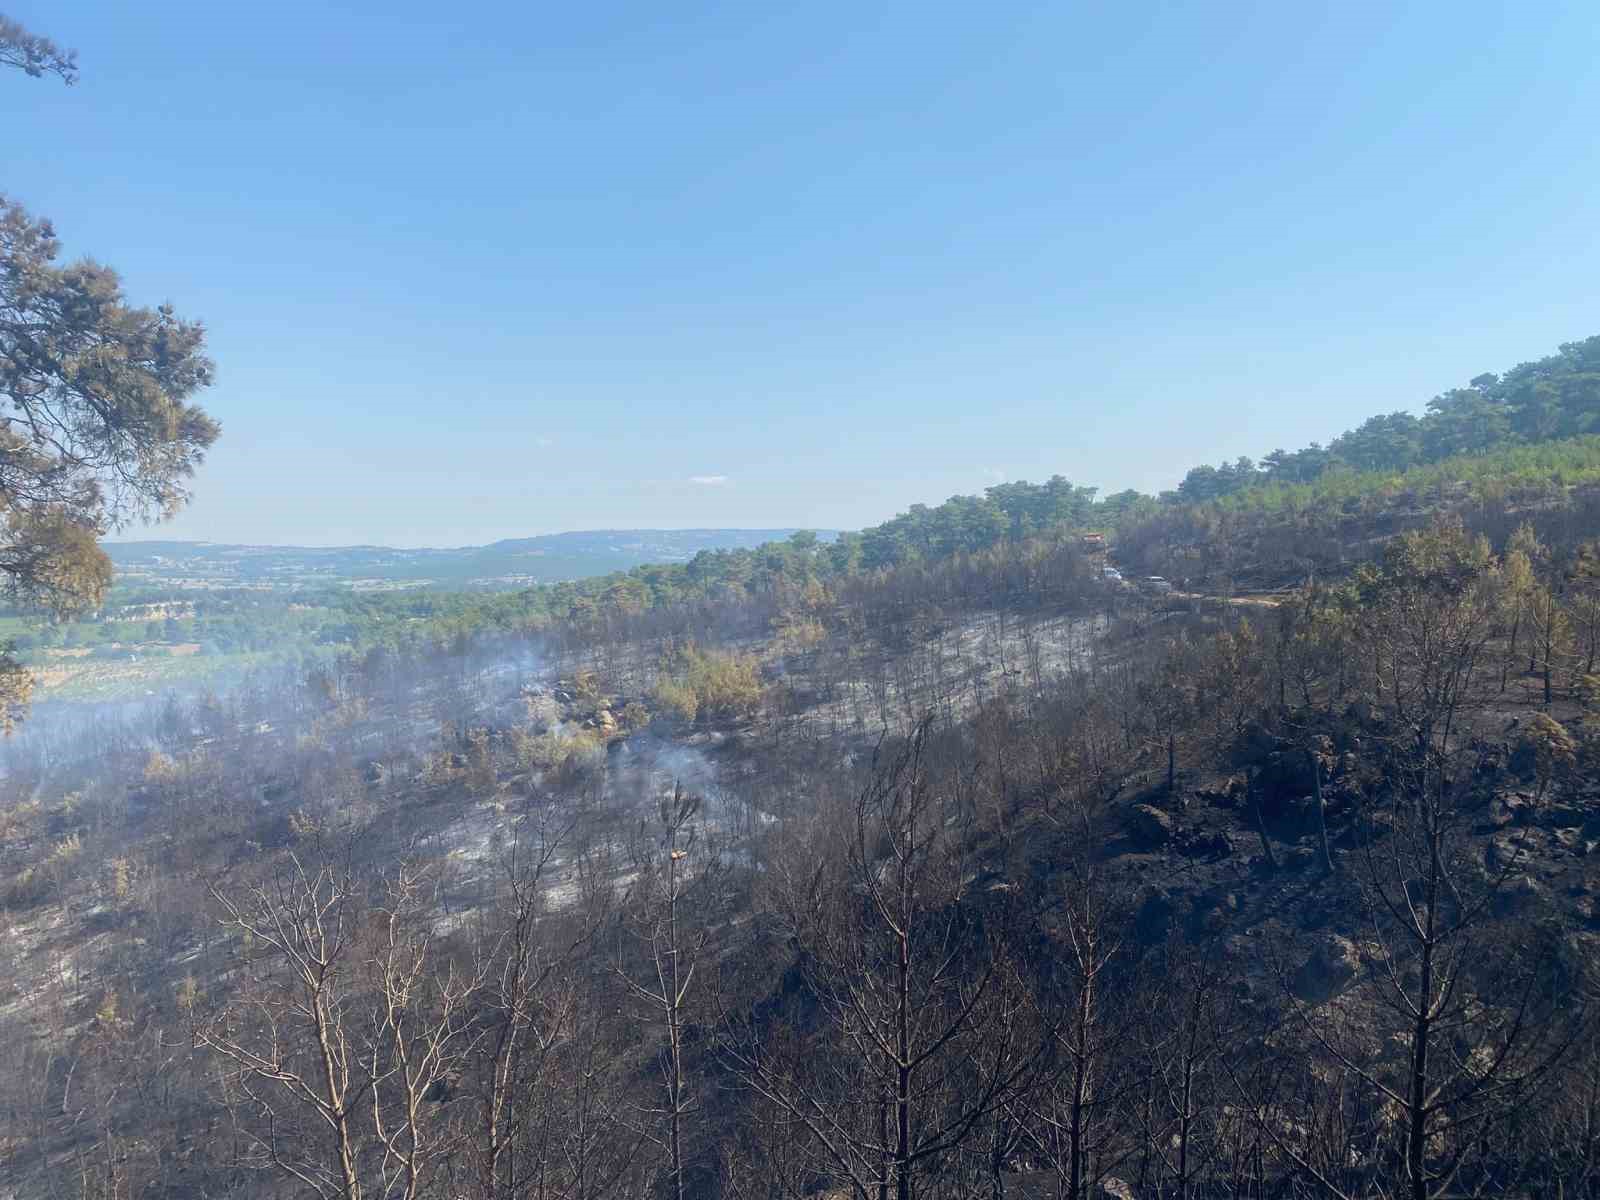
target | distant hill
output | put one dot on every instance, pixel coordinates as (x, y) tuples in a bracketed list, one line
[(513, 563)]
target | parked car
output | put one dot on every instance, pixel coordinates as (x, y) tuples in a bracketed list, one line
[(1112, 574), (1157, 585)]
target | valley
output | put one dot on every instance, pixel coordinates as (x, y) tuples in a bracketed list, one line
[(513, 563)]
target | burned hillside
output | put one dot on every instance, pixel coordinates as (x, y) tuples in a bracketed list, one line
[(979, 892)]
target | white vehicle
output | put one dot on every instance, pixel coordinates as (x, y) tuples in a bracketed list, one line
[(1158, 585), (1111, 573)]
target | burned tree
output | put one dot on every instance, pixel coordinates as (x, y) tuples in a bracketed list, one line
[(909, 1028), (344, 1028)]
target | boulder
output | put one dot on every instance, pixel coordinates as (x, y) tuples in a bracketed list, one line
[(1503, 851), (1499, 815), (1517, 895), (1327, 970), (1570, 840), (1151, 827), (1229, 793)]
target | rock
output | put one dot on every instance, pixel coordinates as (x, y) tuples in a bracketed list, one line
[(1504, 850), (1332, 965), (1113, 1188), (376, 773), (1517, 895), (1499, 816), (1150, 826), (1227, 793)]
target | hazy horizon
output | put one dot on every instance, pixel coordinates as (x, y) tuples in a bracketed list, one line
[(555, 533)]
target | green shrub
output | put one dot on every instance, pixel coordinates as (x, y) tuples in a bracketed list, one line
[(698, 683), (677, 700)]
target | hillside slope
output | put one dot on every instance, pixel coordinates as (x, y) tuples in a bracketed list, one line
[(1133, 858)]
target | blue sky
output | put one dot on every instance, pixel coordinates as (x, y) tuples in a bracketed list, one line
[(485, 270)]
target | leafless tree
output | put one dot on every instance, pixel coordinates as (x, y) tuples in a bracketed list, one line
[(1447, 1026), (1087, 1023), (1189, 1023), (670, 954), (912, 991), (346, 1028)]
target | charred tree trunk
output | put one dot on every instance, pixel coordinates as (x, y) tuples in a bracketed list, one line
[(1322, 813)]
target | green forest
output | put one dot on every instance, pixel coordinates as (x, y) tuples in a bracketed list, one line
[(1521, 440)]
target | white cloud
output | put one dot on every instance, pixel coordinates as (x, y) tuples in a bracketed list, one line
[(710, 480)]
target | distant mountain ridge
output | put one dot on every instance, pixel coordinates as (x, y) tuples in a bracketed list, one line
[(510, 562)]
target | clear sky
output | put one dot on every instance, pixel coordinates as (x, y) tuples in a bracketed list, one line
[(493, 269)]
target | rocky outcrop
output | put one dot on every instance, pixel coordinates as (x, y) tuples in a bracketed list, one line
[(1328, 970), (1151, 827)]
